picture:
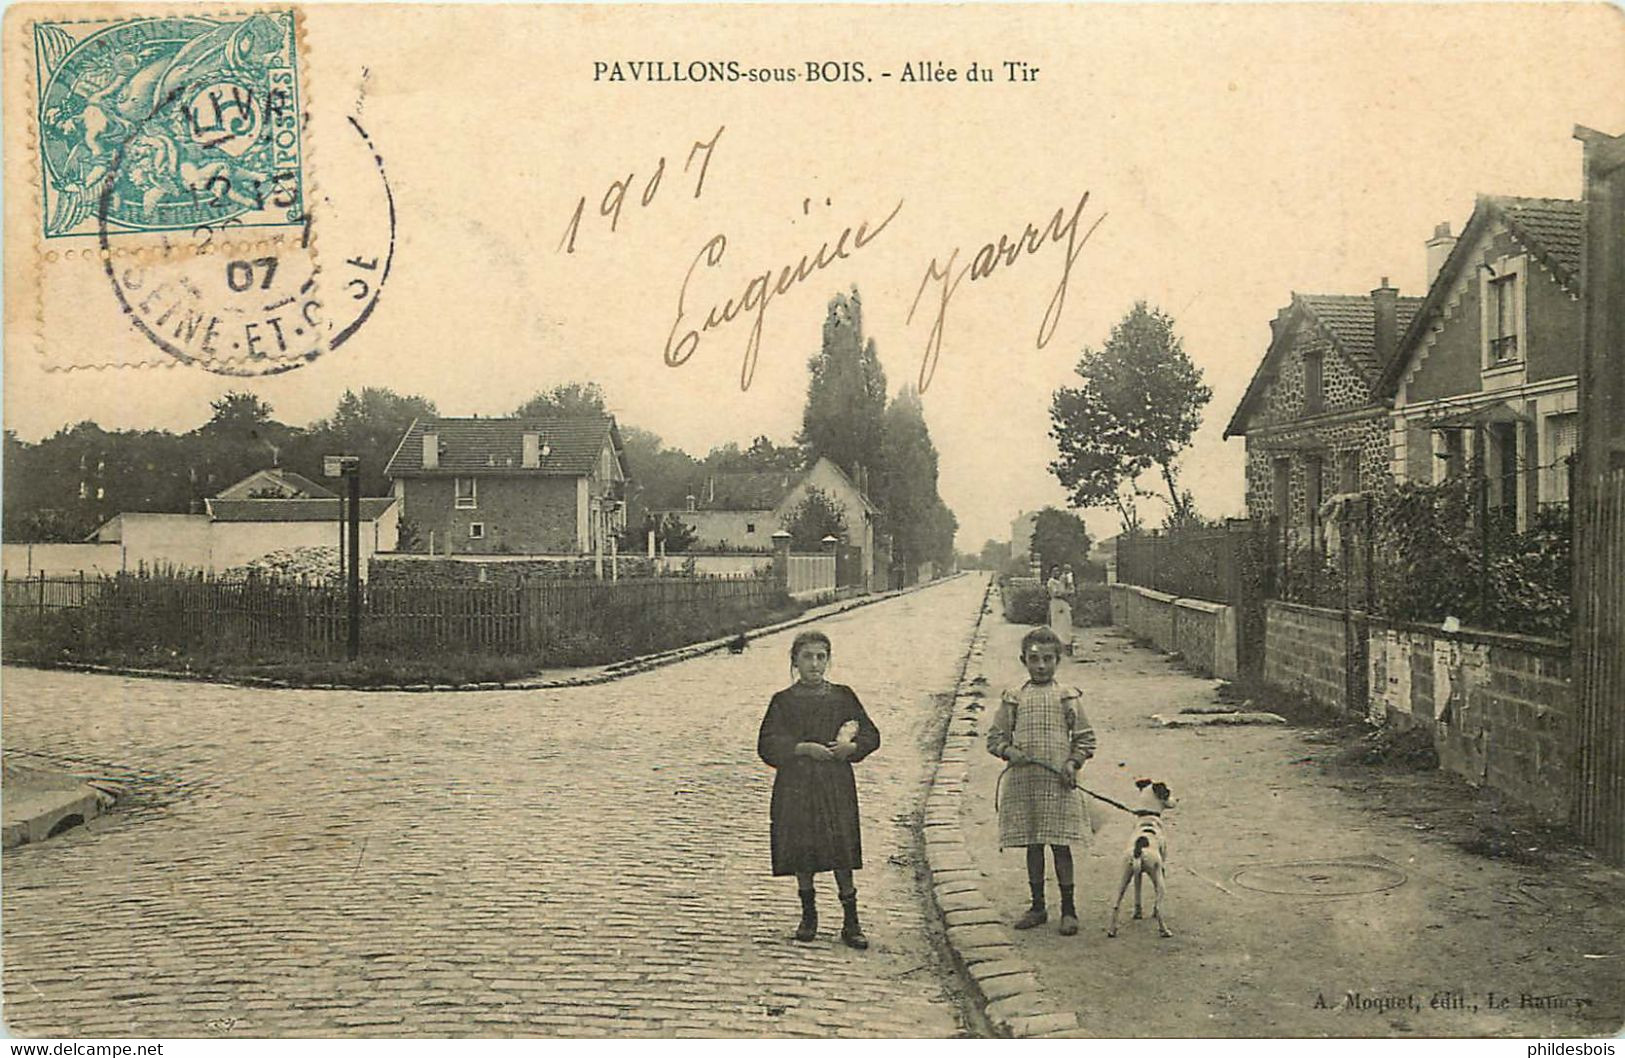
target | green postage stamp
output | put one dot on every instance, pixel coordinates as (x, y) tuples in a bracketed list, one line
[(169, 124)]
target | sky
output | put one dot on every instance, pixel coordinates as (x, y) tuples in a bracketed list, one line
[(1230, 154)]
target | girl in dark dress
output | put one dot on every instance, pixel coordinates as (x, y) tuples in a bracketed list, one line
[(813, 733)]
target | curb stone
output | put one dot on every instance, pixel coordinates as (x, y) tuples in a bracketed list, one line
[(603, 674), (991, 966)]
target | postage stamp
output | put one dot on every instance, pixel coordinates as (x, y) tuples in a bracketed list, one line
[(171, 123)]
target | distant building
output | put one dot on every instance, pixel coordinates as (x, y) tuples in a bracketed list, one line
[(538, 486), (1021, 535), (743, 510)]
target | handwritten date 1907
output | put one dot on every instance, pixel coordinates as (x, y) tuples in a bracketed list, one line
[(615, 195)]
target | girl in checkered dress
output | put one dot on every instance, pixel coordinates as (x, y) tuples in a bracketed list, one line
[(1041, 730)]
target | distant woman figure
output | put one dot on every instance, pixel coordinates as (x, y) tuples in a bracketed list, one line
[(1059, 587)]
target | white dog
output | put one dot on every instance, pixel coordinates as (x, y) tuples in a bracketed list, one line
[(1147, 853)]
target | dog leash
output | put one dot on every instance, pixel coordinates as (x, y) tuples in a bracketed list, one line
[(999, 784)]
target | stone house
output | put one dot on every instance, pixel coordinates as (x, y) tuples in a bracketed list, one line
[(537, 486), (742, 511), (1314, 426), (1488, 367)]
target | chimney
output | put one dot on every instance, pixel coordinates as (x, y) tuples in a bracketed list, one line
[(431, 451), (530, 450), (1385, 330), (1439, 248)]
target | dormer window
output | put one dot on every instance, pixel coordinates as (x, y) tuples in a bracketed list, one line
[(1504, 313), (1504, 321)]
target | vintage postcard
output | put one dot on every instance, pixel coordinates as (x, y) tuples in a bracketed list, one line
[(819, 520)]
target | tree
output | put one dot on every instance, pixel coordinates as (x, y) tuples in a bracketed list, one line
[(1140, 401), (1060, 539), (846, 394), (238, 411), (566, 398), (662, 477), (672, 535), (922, 527), (762, 455), (817, 515), (994, 554), (369, 424)]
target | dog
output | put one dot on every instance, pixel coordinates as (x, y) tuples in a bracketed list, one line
[(1147, 854)]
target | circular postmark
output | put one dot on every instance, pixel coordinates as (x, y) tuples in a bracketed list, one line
[(239, 299)]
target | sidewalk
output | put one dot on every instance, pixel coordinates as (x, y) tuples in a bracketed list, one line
[(1455, 945), (37, 803)]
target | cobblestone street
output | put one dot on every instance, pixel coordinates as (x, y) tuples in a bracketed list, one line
[(587, 861)]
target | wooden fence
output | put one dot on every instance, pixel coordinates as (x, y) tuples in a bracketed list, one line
[(1599, 654), (198, 614)]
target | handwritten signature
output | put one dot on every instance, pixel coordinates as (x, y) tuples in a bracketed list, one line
[(758, 292), (987, 261)]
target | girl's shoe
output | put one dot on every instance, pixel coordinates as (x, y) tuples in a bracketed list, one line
[(851, 932), (808, 930), (1035, 916)]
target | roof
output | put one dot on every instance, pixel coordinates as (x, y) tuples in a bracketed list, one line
[(763, 490), (1549, 228), (487, 446), (760, 490), (1349, 321), (295, 483), (372, 508)]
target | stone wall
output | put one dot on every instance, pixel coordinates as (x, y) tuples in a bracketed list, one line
[(1305, 652), (404, 571), (1498, 706), (1202, 633)]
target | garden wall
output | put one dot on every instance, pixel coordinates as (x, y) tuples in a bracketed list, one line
[(1305, 652), (1499, 706), (1203, 633)]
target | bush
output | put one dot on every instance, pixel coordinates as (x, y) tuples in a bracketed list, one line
[(1025, 602), (1092, 605)]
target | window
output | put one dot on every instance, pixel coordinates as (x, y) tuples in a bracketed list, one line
[(1504, 439), (476, 530), (1313, 472), (465, 494), (1282, 495), (1314, 398), (1348, 471), (1454, 455), (750, 527), (1504, 318), (1562, 438)]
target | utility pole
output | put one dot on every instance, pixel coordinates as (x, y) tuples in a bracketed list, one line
[(349, 467)]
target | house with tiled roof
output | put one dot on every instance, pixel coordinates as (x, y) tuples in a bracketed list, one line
[(1486, 372), (536, 486), (742, 511), (1313, 424)]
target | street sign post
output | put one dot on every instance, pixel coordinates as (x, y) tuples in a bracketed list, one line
[(349, 467)]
